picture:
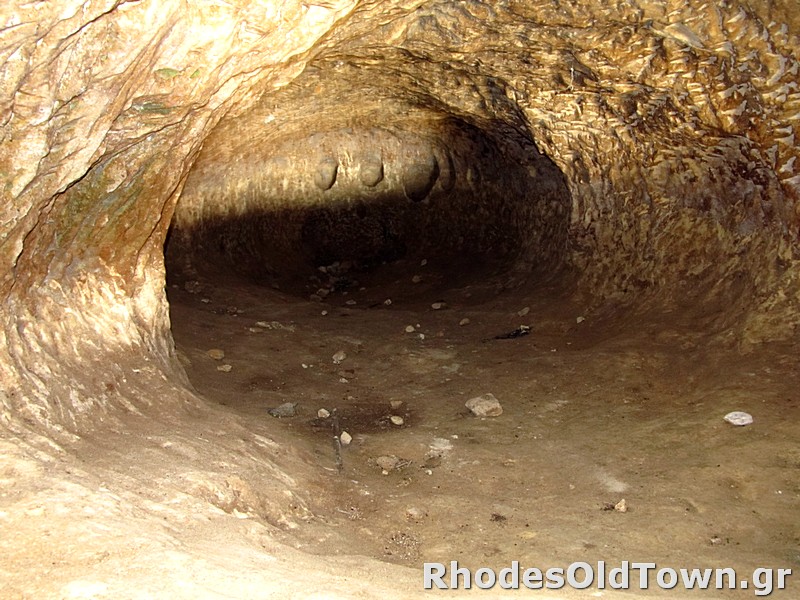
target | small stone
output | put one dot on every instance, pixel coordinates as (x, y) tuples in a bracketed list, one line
[(205, 300), (323, 413), (387, 302), (255, 329), (345, 438), (580, 319), (423, 262), (524, 311), (324, 313), (396, 404), (409, 329), (621, 506), (224, 368), (339, 357), (388, 462), (422, 336), (314, 298), (351, 303), (193, 286), (416, 279), (485, 406), (323, 293), (415, 514), (438, 305), (396, 420), (739, 418), (464, 321), (215, 353), (287, 409)]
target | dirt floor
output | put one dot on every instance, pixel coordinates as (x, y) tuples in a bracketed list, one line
[(598, 406)]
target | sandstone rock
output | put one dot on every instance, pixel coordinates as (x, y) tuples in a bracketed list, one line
[(485, 406), (215, 354), (285, 410)]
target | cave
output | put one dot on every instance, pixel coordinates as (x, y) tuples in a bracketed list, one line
[(299, 296)]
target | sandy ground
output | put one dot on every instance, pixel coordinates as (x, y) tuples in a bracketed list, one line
[(216, 498), (597, 407)]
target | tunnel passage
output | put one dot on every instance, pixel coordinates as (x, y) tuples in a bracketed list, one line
[(295, 135), (276, 204)]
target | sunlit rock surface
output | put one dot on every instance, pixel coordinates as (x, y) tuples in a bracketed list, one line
[(647, 149)]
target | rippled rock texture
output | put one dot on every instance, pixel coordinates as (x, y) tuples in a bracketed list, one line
[(645, 150)]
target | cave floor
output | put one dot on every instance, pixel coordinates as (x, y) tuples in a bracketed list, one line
[(597, 407)]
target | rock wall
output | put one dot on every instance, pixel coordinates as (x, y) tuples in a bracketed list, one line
[(674, 125)]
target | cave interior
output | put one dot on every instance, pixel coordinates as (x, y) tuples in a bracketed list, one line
[(258, 261)]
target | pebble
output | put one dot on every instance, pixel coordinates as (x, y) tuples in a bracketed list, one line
[(339, 357), (464, 321), (287, 409), (416, 279), (387, 302), (255, 329), (423, 262), (323, 413), (580, 319), (409, 329), (205, 300), (345, 438), (438, 305), (215, 353), (324, 313), (739, 418), (524, 311), (485, 406), (387, 462), (396, 404), (396, 420), (351, 303), (621, 506), (224, 368), (415, 514)]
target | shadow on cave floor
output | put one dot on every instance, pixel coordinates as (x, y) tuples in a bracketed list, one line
[(593, 413)]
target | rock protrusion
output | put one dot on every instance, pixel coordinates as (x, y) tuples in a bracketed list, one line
[(325, 174), (419, 178)]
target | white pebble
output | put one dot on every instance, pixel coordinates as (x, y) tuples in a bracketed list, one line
[(387, 302), (339, 357), (345, 438), (580, 319), (438, 305), (323, 413), (524, 311), (396, 420), (224, 368), (464, 321), (739, 418), (409, 329)]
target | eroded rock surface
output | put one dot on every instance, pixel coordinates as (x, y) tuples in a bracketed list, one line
[(646, 150)]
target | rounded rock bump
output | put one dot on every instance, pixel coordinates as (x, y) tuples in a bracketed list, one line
[(419, 178), (370, 171), (325, 173)]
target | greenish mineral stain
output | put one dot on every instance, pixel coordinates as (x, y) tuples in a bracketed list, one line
[(167, 73), (152, 107), (195, 74)]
